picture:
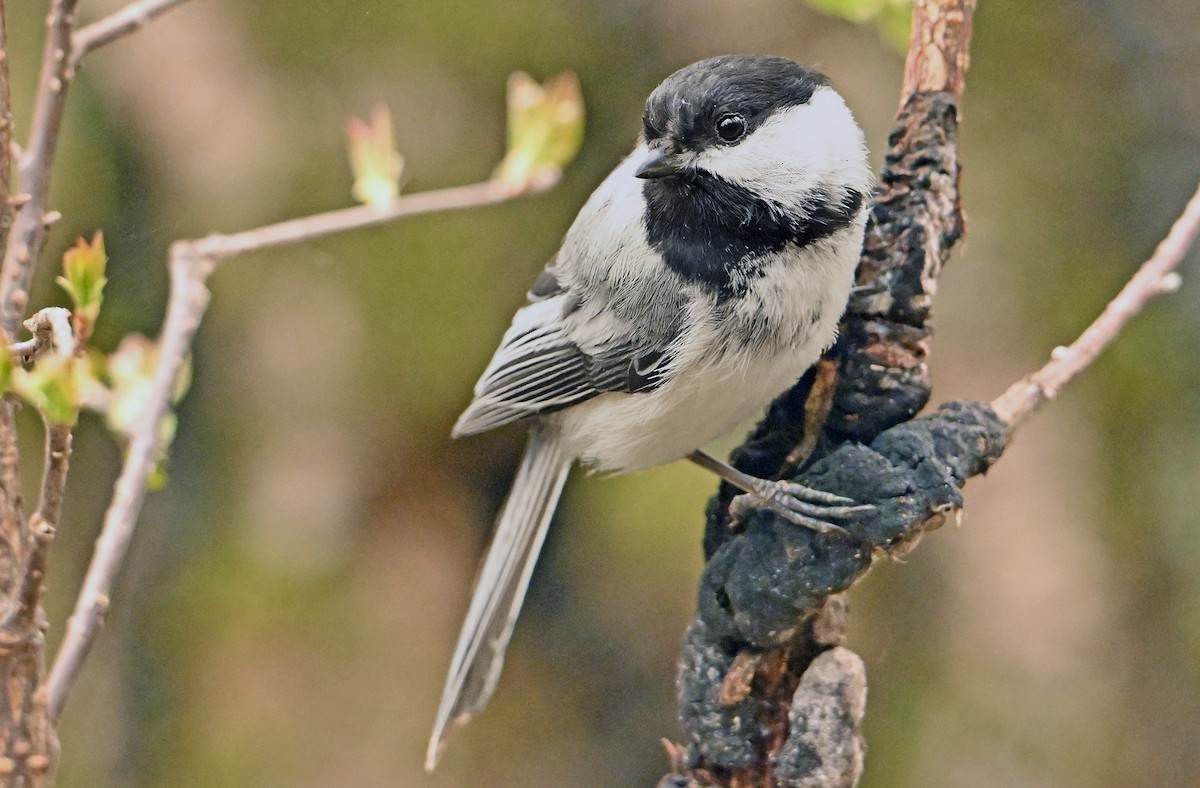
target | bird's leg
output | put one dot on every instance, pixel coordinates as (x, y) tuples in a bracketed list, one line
[(815, 509)]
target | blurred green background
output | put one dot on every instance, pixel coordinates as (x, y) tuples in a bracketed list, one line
[(292, 599)]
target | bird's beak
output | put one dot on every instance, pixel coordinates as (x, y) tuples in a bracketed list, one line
[(660, 164)]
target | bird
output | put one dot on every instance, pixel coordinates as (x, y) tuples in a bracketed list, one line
[(699, 281)]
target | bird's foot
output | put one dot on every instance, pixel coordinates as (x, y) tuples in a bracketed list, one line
[(800, 505)]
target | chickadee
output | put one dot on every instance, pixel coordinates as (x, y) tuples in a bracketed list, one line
[(699, 281)]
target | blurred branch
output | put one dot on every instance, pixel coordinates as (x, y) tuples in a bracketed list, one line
[(44, 522), (6, 140), (51, 329), (1155, 277), (28, 743), (63, 50), (187, 301), (191, 263), (129, 19), (28, 234)]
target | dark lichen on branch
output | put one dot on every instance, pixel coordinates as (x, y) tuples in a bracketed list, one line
[(765, 589)]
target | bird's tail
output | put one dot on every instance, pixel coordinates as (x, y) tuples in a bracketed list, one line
[(500, 588)]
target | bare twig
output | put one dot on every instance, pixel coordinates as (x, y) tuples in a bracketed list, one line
[(29, 225), (129, 19), (6, 208), (29, 349), (191, 263), (44, 523), (51, 329), (63, 50), (220, 247), (187, 301), (12, 516), (1156, 277), (29, 737)]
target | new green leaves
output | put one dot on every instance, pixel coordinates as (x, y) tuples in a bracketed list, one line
[(373, 159), (83, 279), (545, 128)]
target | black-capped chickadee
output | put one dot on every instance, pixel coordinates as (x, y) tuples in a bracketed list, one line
[(699, 281)]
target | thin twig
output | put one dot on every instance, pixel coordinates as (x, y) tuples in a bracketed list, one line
[(220, 247), (29, 225), (129, 19), (6, 208), (191, 263), (44, 523), (51, 329), (187, 301), (1156, 277), (63, 50)]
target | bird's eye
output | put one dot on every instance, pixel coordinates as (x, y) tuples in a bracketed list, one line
[(731, 127)]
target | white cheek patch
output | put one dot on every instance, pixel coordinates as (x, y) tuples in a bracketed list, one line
[(797, 152)]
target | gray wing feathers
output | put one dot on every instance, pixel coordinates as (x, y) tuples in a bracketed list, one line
[(500, 589), (539, 368)]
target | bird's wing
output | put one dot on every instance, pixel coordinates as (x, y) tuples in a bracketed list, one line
[(539, 367)]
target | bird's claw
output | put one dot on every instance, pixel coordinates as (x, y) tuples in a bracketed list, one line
[(800, 505)]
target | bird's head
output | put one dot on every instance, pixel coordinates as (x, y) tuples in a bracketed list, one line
[(765, 125)]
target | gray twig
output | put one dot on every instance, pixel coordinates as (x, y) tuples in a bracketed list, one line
[(129, 19), (28, 233), (187, 302), (63, 50), (6, 131), (1155, 277), (44, 524)]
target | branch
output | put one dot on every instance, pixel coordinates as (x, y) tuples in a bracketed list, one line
[(765, 584), (185, 307), (1155, 277), (765, 589), (30, 224), (129, 19), (937, 53), (30, 746), (44, 523), (191, 263), (54, 481), (51, 329), (220, 247), (6, 141), (61, 55)]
